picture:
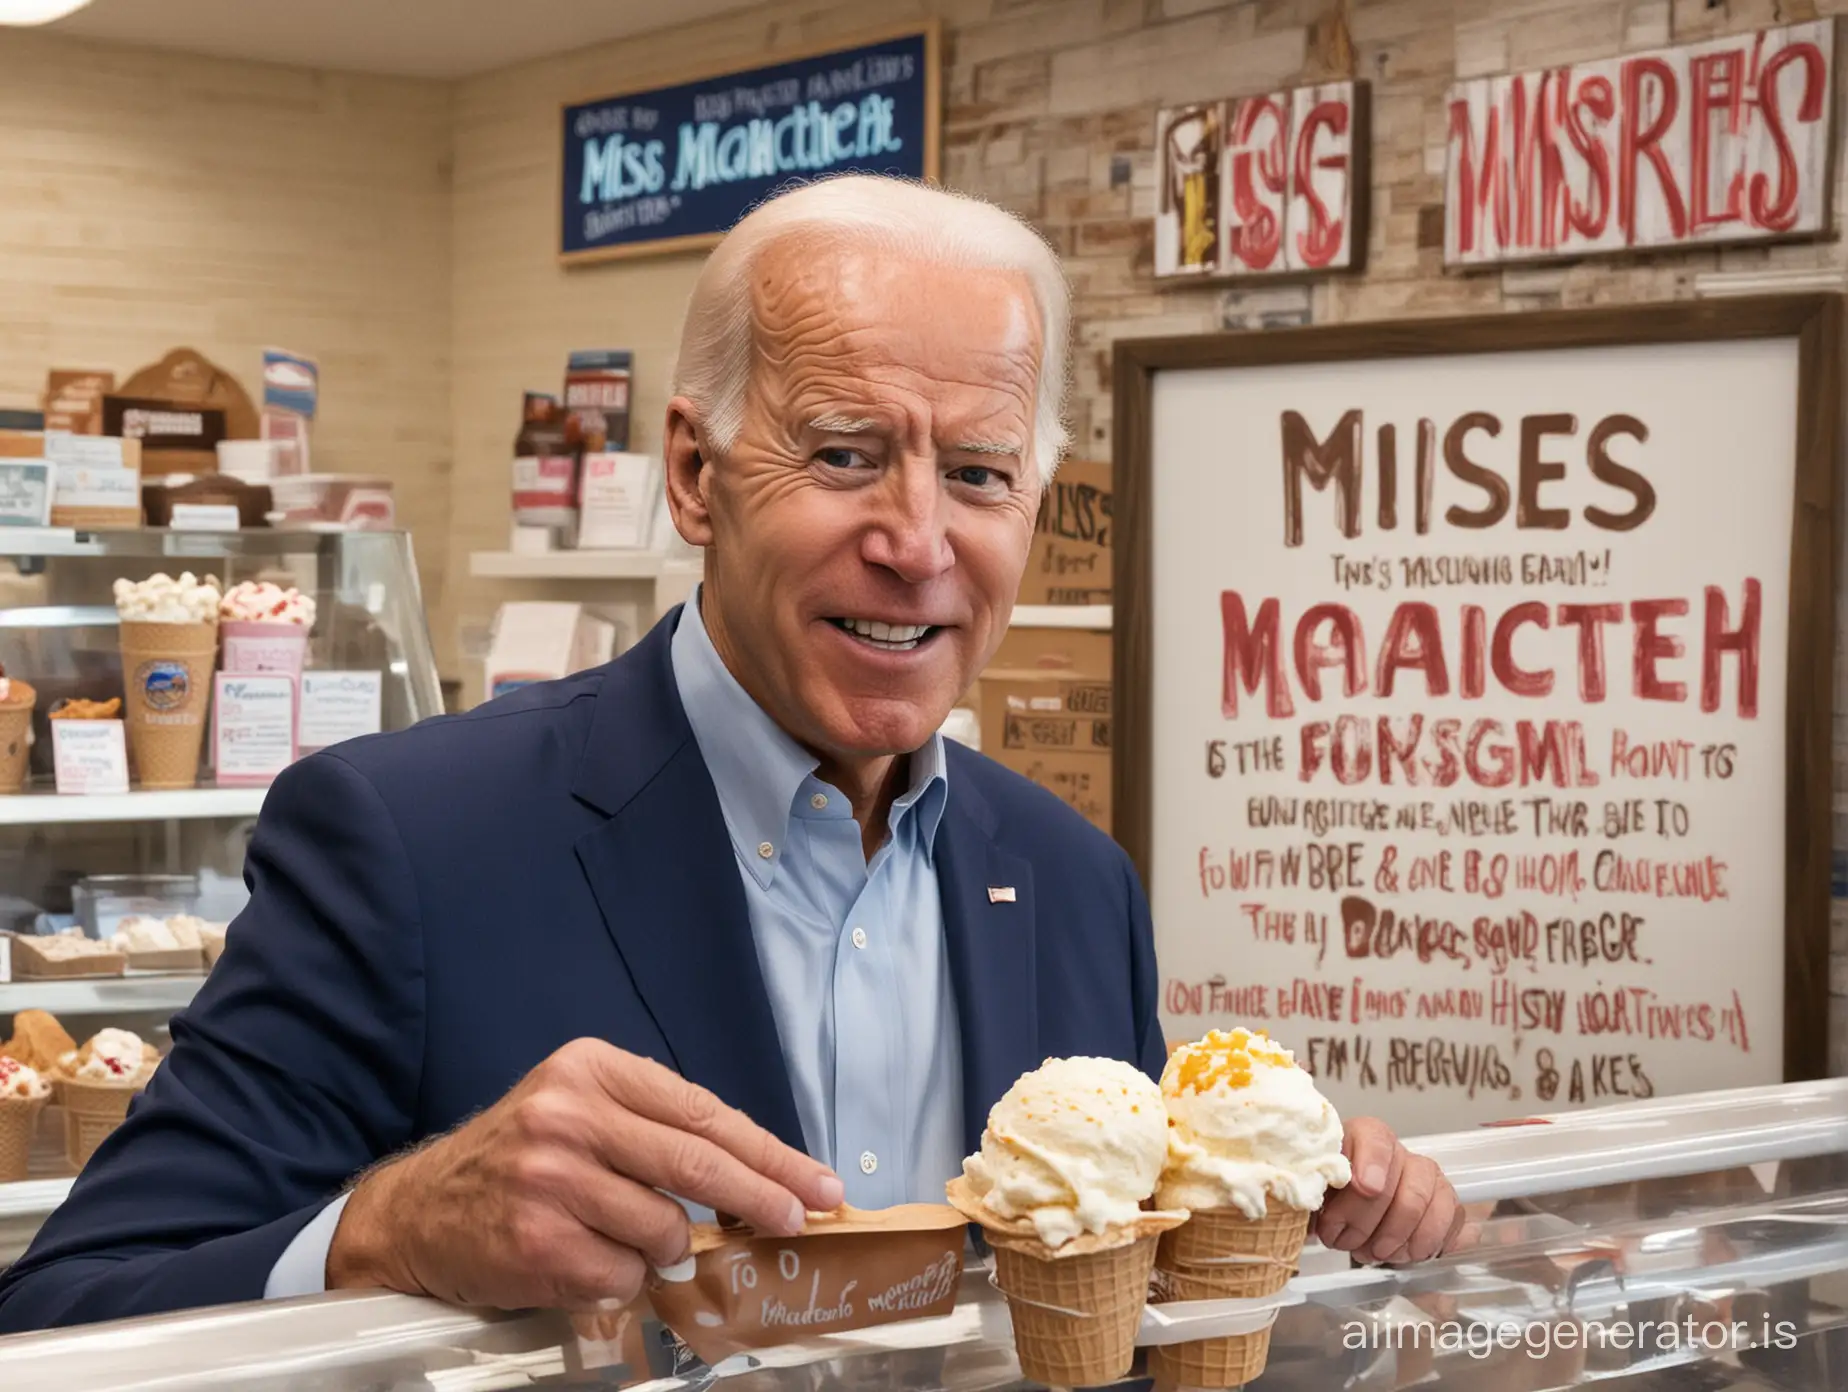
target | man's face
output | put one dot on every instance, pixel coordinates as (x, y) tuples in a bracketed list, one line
[(868, 530)]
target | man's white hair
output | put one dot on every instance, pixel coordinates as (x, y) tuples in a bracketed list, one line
[(896, 215)]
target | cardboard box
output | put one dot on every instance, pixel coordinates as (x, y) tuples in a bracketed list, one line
[(1084, 651), (1054, 730), (32, 961), (1070, 559), (98, 482), (74, 400), (541, 641)]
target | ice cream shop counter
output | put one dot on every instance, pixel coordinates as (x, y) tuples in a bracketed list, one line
[(1697, 1242)]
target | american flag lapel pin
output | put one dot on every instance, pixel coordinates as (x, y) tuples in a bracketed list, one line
[(1000, 894)]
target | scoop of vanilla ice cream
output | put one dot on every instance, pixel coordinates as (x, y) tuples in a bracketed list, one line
[(116, 1056), (162, 599), (21, 1080), (1246, 1125), (1075, 1147)]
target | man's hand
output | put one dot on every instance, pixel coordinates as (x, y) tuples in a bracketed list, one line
[(549, 1198), (1398, 1207)]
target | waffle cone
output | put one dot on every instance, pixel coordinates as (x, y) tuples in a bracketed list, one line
[(1075, 1318), (1075, 1308), (1229, 1362), (166, 724), (1196, 1253), (1192, 1265), (15, 727), (18, 1120), (91, 1112)]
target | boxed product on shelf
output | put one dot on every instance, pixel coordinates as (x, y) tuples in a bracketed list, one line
[(1070, 559), (540, 641), (61, 955), (74, 399), (545, 487), (357, 501), (597, 400), (98, 481), (26, 490), (95, 480), (616, 494), (291, 394), (1055, 730), (176, 437)]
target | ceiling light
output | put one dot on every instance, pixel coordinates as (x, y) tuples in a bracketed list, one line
[(37, 11)]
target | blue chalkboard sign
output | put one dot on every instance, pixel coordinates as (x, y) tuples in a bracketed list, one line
[(672, 168)]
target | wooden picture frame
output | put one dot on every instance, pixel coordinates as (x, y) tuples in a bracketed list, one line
[(1813, 321), (930, 30)]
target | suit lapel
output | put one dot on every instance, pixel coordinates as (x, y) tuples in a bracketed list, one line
[(991, 951), (663, 874)]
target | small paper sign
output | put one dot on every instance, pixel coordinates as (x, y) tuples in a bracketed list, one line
[(339, 706), (6, 959), (204, 517), (89, 756), (253, 725)]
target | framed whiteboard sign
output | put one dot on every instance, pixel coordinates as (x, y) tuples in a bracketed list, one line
[(1474, 688)]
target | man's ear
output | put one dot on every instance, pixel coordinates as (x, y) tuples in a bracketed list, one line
[(688, 473)]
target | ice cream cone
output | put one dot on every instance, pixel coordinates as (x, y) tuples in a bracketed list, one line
[(91, 1112), (15, 742), (1220, 1254), (18, 1120), (1231, 1361), (167, 673), (1075, 1308)]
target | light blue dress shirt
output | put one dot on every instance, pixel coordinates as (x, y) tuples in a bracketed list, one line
[(852, 952)]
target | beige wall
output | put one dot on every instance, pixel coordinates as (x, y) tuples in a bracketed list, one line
[(149, 201)]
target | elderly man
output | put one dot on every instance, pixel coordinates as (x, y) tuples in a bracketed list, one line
[(717, 920)]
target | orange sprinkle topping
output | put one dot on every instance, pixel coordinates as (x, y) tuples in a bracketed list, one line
[(1226, 1058)]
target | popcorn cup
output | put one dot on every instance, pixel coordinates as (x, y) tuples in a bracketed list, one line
[(256, 646), (18, 1120), (1220, 1254), (15, 744), (167, 674), (91, 1112)]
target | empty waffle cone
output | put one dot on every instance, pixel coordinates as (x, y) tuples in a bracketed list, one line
[(1076, 1308), (1220, 1254), (18, 1121)]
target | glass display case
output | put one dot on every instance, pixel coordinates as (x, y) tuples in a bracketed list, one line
[(84, 861), (1692, 1243)]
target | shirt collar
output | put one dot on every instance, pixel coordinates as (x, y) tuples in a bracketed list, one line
[(762, 775)]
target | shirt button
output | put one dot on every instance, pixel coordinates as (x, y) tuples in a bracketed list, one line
[(818, 801), (859, 937), (765, 849), (868, 1162)]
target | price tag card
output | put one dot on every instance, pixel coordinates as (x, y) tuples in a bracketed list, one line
[(338, 706), (204, 517), (253, 726), (89, 756)]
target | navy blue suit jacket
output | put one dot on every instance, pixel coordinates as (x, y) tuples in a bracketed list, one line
[(436, 911)]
